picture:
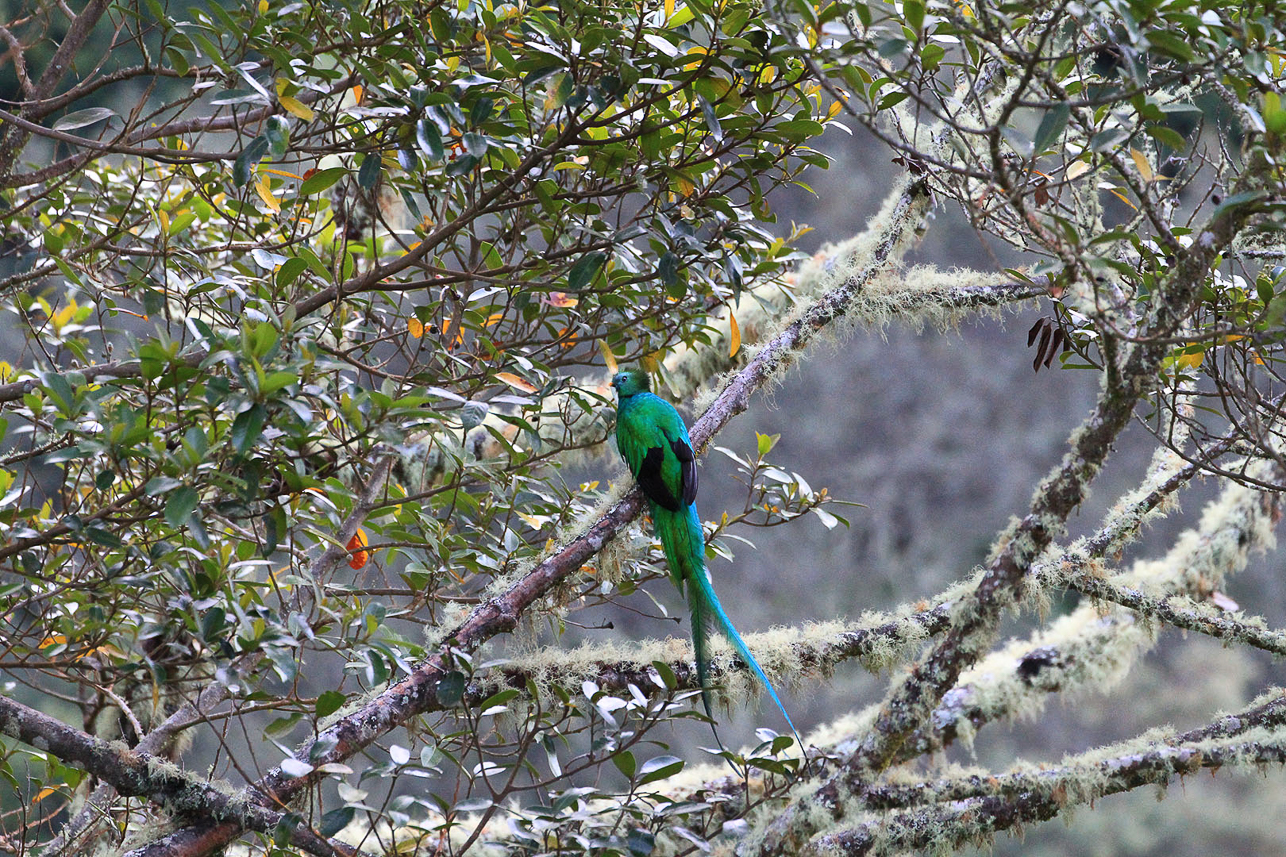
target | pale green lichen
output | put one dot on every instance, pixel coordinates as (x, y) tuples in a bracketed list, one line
[(1097, 645)]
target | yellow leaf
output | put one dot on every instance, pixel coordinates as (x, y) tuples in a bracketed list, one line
[(415, 327), (608, 357), (358, 91), (1190, 361), (735, 332), (281, 85), (286, 174), (530, 520), (698, 54), (1077, 169), (1141, 162), (265, 193), (669, 9), (43, 793), (263, 6), (1122, 197), (296, 107), (516, 382), (494, 318)]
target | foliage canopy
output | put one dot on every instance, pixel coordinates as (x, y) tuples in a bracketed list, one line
[(312, 303)]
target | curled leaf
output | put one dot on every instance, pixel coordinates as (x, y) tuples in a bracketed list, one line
[(356, 544)]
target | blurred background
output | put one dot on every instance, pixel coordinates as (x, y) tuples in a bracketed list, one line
[(942, 435)]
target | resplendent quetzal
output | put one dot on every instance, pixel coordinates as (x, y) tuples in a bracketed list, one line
[(654, 442)]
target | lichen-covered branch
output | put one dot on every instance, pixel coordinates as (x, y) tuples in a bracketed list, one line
[(1093, 648), (421, 690), (137, 774), (976, 807), (914, 699)]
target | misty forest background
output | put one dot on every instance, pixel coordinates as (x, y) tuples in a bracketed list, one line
[(941, 438)]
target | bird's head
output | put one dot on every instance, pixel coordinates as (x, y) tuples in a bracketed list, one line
[(630, 382)]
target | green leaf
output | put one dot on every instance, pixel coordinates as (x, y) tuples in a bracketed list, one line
[(1170, 137), (180, 505), (659, 768), (369, 174), (913, 11), (625, 763), (328, 702), (335, 820), (1051, 127), (666, 673), (276, 381), (429, 139), (277, 133), (247, 427), (243, 167), (321, 180), (290, 271), (585, 270), (83, 118), (642, 842), (711, 118), (451, 689), (274, 528)]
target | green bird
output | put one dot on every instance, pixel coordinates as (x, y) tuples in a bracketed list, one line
[(654, 442)]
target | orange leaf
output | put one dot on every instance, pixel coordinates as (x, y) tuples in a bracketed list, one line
[(735, 331), (561, 300), (516, 382), (355, 544), (415, 327), (265, 193)]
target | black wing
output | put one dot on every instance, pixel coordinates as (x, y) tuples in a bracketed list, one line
[(688, 465), (649, 479)]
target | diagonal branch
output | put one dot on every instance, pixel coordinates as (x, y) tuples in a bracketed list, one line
[(216, 693), (973, 808), (1005, 580), (137, 774), (420, 691)]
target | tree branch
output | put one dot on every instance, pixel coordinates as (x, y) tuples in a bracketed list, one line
[(419, 692)]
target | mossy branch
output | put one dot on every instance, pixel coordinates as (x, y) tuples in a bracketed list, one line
[(976, 807), (214, 694), (419, 692), (877, 640), (1093, 649), (136, 774), (912, 702)]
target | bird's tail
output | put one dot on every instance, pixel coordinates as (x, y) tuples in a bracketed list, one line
[(684, 545)]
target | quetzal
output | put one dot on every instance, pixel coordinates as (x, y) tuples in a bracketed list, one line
[(654, 442)]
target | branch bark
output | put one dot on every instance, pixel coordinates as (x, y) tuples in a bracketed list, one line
[(420, 691)]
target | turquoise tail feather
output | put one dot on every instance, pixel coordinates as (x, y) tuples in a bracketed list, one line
[(684, 544)]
